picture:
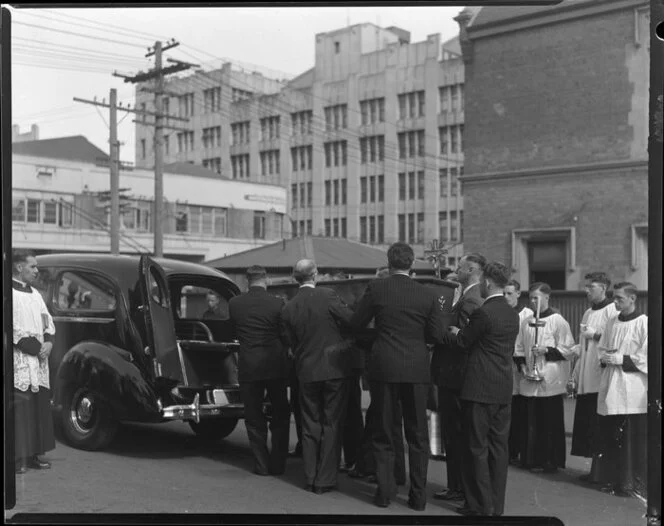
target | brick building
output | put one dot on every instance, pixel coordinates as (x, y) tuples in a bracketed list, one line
[(556, 138), (368, 141)]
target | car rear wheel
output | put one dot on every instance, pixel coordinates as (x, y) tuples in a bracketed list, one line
[(214, 429), (86, 421)]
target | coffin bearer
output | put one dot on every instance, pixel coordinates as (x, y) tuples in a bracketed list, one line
[(587, 371), (448, 365), (512, 293), (407, 315), (263, 368), (486, 394), (622, 400), (33, 337), (312, 321), (543, 348)]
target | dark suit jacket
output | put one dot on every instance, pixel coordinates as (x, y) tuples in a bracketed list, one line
[(448, 365), (407, 316), (256, 316), (311, 322), (488, 341)]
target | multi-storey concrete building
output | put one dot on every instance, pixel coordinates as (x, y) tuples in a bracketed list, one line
[(368, 141), (556, 177), (61, 198)]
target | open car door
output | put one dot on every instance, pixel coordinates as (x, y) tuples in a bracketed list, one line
[(159, 324)]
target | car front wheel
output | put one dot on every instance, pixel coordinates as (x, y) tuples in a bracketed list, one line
[(214, 429), (87, 422)]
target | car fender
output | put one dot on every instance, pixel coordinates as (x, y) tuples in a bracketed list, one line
[(109, 372)]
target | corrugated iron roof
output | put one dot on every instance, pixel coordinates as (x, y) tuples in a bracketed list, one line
[(328, 253), (496, 15), (74, 148), (192, 169)]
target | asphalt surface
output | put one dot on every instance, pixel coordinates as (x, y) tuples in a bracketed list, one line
[(167, 469)]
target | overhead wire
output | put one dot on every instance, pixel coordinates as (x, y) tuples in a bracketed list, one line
[(97, 38)]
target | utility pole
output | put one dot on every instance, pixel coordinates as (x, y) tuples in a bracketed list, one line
[(158, 74), (115, 174)]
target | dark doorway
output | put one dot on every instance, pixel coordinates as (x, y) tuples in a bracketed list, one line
[(547, 261)]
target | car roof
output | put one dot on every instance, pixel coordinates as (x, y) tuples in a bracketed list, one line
[(125, 266)]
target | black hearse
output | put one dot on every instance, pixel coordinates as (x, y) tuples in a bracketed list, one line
[(133, 344)]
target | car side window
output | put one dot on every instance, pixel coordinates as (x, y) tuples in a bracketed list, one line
[(79, 291), (158, 289), (202, 303)]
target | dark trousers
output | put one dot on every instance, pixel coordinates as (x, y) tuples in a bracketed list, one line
[(295, 407), (253, 395), (486, 456), (413, 400), (353, 426), (323, 406), (516, 426), (449, 409), (367, 460), (33, 423)]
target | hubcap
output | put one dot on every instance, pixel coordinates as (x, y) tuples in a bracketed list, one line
[(82, 412)]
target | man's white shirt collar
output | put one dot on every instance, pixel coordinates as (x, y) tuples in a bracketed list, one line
[(19, 281), (402, 272), (312, 285), (493, 296), (468, 288)]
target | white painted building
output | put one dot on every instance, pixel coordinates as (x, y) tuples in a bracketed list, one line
[(60, 190)]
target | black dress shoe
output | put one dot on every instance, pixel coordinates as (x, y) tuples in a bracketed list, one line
[(468, 512), (381, 502), (309, 487), (356, 474), (448, 494), (37, 463), (417, 506), (319, 490), (296, 453), (345, 468)]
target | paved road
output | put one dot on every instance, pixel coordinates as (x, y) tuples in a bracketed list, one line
[(167, 469)]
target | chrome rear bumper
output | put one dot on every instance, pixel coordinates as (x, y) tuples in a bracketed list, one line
[(195, 411)]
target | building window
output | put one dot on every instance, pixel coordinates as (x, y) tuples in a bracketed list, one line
[(294, 195), (411, 185), (372, 189), (328, 192), (182, 219), (213, 164), (301, 122), (212, 99), (442, 177), (310, 194), (336, 117), (411, 144), (454, 140), (420, 228), (363, 189), (301, 157), (211, 137), (220, 221), (363, 229), (328, 228), (185, 141), (34, 211), (167, 144), (442, 226), (310, 226), (335, 185), (303, 197), (259, 225), (402, 187), (269, 128), (454, 181), (240, 132), (270, 162), (335, 153), (207, 222), (372, 149), (402, 227), (411, 105), (240, 166), (186, 105), (372, 111), (344, 191), (381, 188), (411, 228), (420, 184), (65, 214), (343, 227), (335, 223), (443, 139), (142, 148), (547, 262), (238, 95), (372, 229), (443, 99), (460, 137), (454, 226), (337, 47)]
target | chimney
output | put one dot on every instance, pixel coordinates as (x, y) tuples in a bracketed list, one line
[(35, 132)]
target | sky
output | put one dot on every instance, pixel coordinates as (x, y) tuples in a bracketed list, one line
[(52, 63)]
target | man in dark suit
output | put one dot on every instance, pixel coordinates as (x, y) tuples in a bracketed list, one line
[(263, 367), (312, 322), (488, 341), (447, 371), (407, 315)]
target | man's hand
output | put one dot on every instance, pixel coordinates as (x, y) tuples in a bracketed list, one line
[(454, 330), (539, 350), (612, 359), (587, 332), (45, 350)]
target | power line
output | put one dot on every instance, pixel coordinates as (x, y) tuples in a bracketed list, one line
[(27, 43), (80, 35)]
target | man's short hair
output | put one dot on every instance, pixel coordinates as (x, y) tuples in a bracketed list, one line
[(498, 273), (20, 255), (627, 286), (599, 277), (544, 288), (304, 270), (514, 283), (256, 273), (477, 258), (400, 256)]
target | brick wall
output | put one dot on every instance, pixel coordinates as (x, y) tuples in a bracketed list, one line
[(551, 95)]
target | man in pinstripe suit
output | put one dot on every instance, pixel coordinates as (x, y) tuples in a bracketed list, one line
[(486, 394), (407, 315)]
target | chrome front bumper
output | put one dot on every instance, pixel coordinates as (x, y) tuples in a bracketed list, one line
[(195, 411)]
